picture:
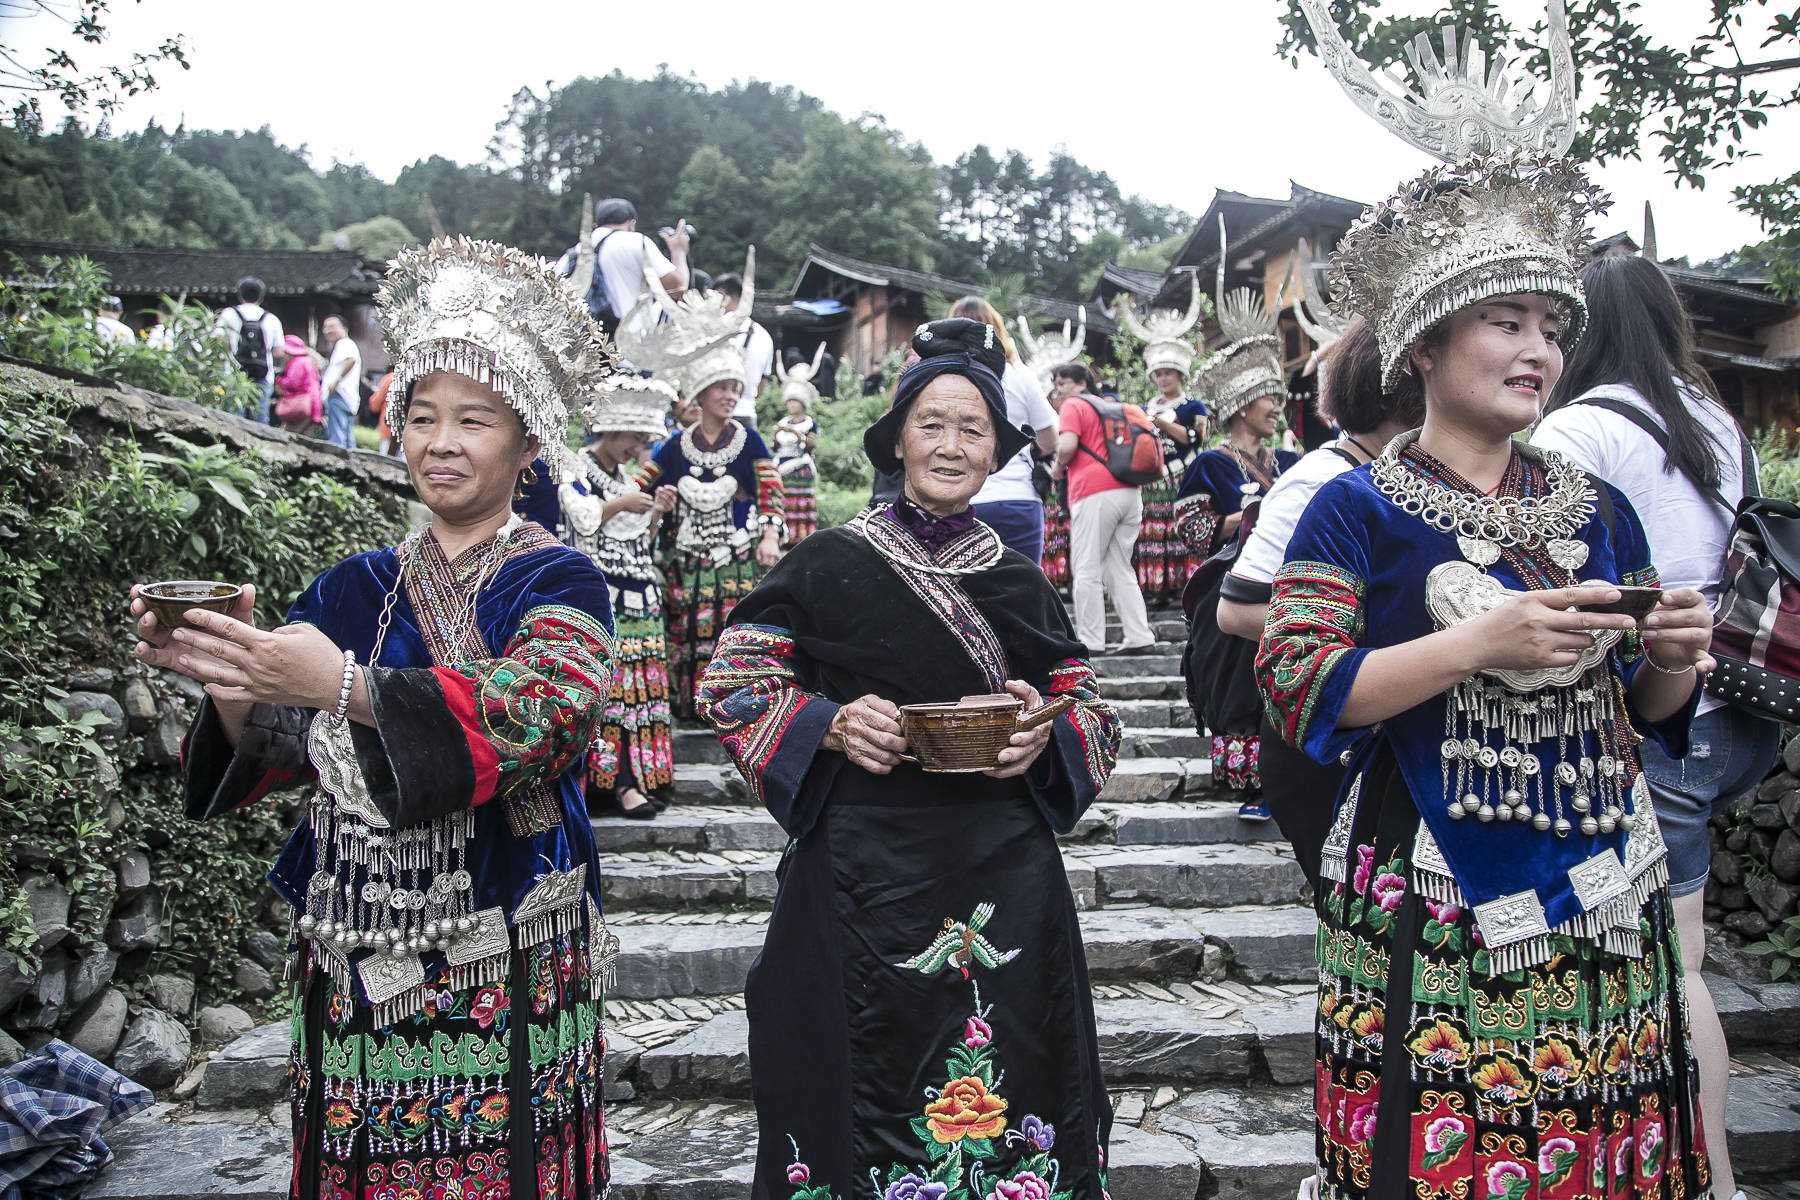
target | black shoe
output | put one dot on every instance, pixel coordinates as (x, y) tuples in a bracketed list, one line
[(609, 806), (1133, 651)]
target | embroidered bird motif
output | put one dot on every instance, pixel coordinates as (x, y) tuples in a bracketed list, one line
[(960, 945)]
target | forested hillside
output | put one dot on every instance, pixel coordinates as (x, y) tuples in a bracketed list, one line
[(746, 163)]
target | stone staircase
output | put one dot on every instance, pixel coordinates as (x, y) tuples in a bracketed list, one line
[(1199, 937)]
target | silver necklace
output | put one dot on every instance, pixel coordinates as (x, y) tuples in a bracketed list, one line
[(1486, 525), (711, 460), (1250, 486)]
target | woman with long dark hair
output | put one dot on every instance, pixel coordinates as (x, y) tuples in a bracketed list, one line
[(1635, 364)]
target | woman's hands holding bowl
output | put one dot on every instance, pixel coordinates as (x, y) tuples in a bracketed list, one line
[(239, 663), (1027, 744)]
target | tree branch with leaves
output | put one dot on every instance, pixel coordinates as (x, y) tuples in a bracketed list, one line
[(60, 77)]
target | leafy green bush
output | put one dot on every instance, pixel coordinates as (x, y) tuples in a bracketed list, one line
[(85, 513), (1781, 948), (1778, 465), (47, 316)]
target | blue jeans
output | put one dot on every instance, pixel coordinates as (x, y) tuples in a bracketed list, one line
[(265, 390), (1729, 752), (1020, 524), (339, 416)]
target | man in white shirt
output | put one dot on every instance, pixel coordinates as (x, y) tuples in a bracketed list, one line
[(249, 311), (620, 255), (106, 320), (759, 350), (339, 383)]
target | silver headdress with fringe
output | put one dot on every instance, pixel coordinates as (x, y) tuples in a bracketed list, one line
[(1248, 365), (699, 344), (797, 380), (1506, 214), (1049, 350), (1164, 331), (629, 404), (499, 316)]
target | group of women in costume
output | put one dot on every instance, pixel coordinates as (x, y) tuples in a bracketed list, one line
[(1501, 1004)]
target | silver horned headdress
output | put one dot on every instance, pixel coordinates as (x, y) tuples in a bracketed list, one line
[(1248, 365), (1507, 213), (629, 404), (499, 316), (700, 343), (1047, 351), (797, 380), (1164, 331)]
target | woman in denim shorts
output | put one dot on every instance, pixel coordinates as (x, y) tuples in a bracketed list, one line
[(1638, 350)]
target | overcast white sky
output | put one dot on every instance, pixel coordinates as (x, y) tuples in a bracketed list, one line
[(1173, 99)]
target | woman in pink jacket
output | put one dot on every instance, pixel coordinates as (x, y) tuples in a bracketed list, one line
[(298, 405)]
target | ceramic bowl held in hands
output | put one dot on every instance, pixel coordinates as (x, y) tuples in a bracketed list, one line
[(969, 735), (1634, 602), (170, 599)]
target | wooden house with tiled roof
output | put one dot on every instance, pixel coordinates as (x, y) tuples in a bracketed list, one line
[(303, 286)]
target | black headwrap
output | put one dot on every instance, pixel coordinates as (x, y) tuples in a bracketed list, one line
[(952, 347)]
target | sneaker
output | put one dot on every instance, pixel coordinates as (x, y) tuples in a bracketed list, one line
[(1253, 810)]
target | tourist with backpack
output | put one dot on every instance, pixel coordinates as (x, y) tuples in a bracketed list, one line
[(1106, 451), (253, 333), (621, 256), (1637, 410)]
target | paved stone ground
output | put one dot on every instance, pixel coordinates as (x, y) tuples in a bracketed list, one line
[(1199, 934)]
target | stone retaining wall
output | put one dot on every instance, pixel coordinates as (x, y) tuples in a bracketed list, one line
[(1755, 880)]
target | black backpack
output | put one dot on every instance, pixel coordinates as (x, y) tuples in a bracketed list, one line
[(598, 302), (252, 347)]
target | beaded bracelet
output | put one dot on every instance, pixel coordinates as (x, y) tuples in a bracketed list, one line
[(343, 704)]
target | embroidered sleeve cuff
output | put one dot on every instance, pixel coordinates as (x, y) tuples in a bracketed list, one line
[(1670, 733), (270, 755), (420, 760)]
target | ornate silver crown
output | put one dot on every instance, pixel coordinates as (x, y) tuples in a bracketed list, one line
[(1249, 364), (499, 316), (1509, 215), (1164, 331), (1047, 351), (797, 380), (700, 343), (629, 404)]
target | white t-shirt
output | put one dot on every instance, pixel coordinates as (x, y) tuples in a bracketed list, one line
[(1025, 405), (623, 256), (232, 320), (759, 360), (346, 349), (1266, 548), (113, 328), (1687, 532)]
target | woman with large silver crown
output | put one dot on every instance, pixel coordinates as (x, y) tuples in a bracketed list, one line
[(441, 694), (1500, 1011)]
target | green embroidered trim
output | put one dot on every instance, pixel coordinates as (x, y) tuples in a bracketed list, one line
[(392, 1059)]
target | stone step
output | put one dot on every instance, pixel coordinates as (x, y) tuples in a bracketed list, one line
[(696, 746), (1155, 713), (1126, 666), (670, 955), (1143, 687), (1142, 1041), (722, 828), (1217, 876), (1165, 742), (1133, 779)]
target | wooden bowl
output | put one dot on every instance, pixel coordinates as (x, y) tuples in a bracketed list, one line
[(968, 736), (1634, 602), (172, 598)]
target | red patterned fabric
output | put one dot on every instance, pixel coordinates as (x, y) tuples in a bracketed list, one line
[(1315, 618)]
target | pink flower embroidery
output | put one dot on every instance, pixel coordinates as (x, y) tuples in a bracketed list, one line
[(798, 1174), (1443, 913), (1389, 887), (1023, 1186), (1442, 1128), (977, 1033), (1507, 1181), (1362, 1124), (1650, 1149), (489, 1009), (1365, 861)]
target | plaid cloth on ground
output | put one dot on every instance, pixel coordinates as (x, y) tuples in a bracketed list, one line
[(53, 1108)]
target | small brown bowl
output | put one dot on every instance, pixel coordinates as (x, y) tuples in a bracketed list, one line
[(1635, 602), (172, 598)]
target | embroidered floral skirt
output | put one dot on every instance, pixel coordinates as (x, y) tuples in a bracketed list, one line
[(1566, 1081), (489, 1093), (1161, 556), (1234, 761), (797, 497), (1055, 560), (701, 595), (923, 963), (633, 745)]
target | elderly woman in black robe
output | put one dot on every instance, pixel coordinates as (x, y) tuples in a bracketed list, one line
[(921, 1024)]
